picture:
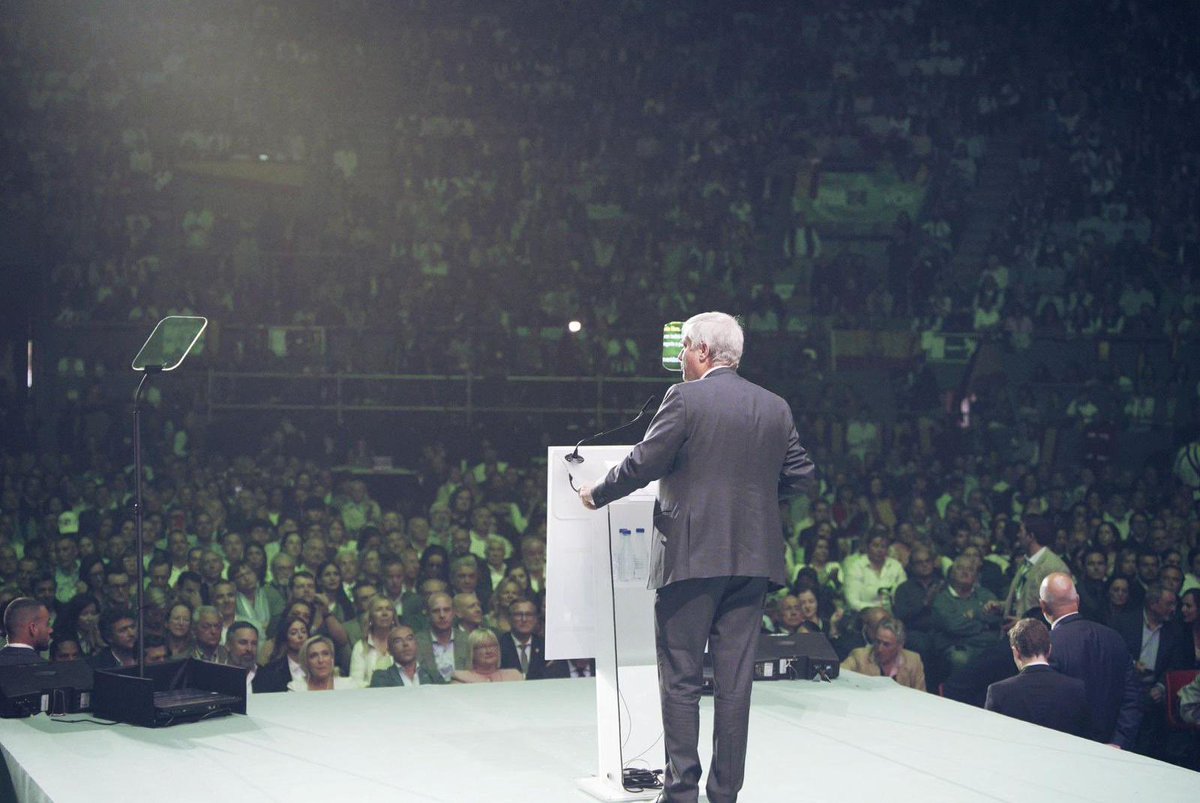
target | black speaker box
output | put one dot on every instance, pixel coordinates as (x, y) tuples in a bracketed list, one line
[(216, 689), (57, 688)]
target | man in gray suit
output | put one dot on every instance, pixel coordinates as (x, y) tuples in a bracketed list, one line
[(723, 449)]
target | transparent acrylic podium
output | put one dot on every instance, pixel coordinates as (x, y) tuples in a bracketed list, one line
[(597, 604)]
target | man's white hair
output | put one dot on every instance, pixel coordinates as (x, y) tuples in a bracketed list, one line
[(720, 332)]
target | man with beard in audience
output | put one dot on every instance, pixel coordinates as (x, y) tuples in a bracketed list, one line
[(27, 623)]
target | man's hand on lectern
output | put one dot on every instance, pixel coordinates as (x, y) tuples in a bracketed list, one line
[(585, 496)]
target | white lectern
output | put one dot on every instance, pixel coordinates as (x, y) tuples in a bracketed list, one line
[(597, 604)]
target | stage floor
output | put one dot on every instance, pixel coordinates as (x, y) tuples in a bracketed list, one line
[(524, 742)]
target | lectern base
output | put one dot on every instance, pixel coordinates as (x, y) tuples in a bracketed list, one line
[(603, 789)]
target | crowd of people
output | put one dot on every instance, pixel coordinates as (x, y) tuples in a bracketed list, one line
[(626, 164)]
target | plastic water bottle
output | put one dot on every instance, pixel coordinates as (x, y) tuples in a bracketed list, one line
[(625, 556), (641, 552)]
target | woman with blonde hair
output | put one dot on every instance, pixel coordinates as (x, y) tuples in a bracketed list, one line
[(485, 661), (506, 593), (371, 651), (320, 669)]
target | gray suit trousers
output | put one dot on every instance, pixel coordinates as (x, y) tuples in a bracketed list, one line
[(725, 612)]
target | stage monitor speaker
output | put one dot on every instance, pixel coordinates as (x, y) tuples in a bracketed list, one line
[(799, 656), (58, 688), (170, 694)]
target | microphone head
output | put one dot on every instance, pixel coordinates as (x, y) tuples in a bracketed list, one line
[(574, 458)]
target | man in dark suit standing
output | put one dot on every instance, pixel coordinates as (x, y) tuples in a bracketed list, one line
[(723, 449), (1097, 655), (27, 622), (1038, 694)]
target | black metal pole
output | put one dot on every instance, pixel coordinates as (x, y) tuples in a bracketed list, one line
[(137, 514)]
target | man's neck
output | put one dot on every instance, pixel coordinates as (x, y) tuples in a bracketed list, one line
[(409, 669), (443, 636), (1037, 660)]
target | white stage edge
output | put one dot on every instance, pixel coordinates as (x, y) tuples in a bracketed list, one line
[(522, 742)]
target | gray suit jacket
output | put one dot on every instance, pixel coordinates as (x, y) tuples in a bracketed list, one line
[(723, 449), (391, 677), (462, 651)]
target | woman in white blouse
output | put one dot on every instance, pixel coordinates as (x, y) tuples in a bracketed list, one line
[(371, 651), (320, 671)]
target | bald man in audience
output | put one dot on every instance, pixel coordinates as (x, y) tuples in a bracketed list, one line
[(1039, 694), (1097, 655)]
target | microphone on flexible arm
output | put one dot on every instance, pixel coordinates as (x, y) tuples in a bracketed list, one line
[(575, 458)]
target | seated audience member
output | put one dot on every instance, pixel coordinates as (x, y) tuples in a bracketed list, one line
[(485, 661), (573, 668), (190, 589), (1189, 615), (27, 623), (241, 642), (1093, 603), (966, 617), (296, 609), (497, 566), (1189, 702), (1097, 655), (468, 613), (915, 596), (872, 581), (887, 657), (1118, 599), (506, 593), (372, 651), (861, 634), (178, 637), (65, 649), (1039, 694), (443, 645), (522, 648), (399, 588), (466, 578), (119, 630), (329, 582), (154, 649), (784, 616), (256, 604), (1160, 645), (811, 620), (283, 660), (320, 671), (206, 632), (80, 618), (405, 669), (224, 599), (821, 557)]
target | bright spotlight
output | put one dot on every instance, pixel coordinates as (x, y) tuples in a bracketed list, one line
[(574, 326)]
